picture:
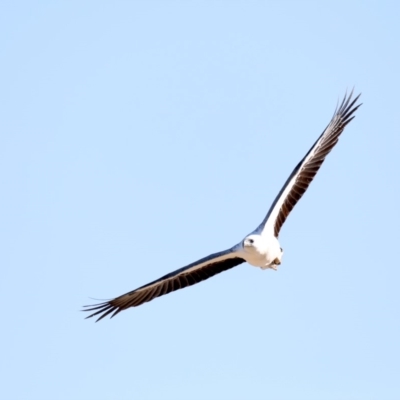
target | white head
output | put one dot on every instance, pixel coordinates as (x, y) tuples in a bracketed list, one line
[(252, 243)]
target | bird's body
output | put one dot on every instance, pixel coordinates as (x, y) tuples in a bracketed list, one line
[(260, 248), (261, 251)]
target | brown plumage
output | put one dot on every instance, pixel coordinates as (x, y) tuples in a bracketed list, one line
[(303, 174), (179, 279)]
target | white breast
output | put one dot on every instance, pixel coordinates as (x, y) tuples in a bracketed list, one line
[(262, 252)]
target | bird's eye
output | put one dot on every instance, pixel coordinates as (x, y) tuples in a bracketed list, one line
[(251, 241)]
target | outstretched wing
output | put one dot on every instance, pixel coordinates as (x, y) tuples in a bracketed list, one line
[(190, 275), (304, 173)]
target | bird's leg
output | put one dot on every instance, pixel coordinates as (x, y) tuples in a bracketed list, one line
[(277, 260), (275, 264)]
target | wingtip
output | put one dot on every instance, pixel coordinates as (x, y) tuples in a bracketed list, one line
[(103, 309), (347, 107)]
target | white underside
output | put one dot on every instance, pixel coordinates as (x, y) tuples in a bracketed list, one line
[(262, 253)]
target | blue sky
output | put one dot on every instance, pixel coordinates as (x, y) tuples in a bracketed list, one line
[(139, 136)]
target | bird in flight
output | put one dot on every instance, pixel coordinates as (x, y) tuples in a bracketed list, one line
[(261, 247)]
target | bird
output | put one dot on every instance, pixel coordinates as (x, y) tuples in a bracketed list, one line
[(261, 247)]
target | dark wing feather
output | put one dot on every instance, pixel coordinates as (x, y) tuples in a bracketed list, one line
[(179, 279), (303, 174)]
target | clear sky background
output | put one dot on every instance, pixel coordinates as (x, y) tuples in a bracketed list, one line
[(139, 136)]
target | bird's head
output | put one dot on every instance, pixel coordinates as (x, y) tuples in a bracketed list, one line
[(251, 242)]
